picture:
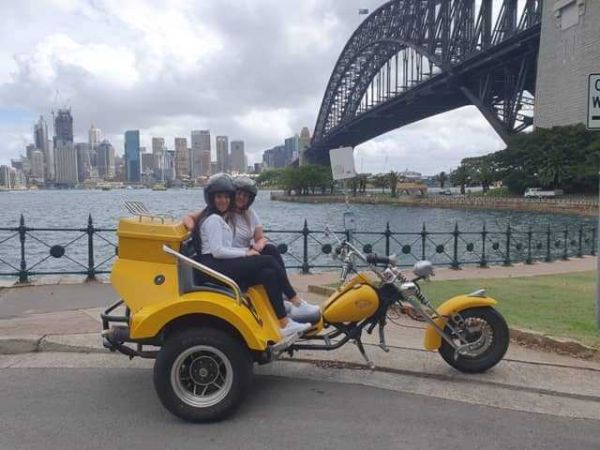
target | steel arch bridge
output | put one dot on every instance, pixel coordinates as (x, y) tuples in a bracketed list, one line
[(413, 59)]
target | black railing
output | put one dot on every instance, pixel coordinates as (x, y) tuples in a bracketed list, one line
[(26, 251)]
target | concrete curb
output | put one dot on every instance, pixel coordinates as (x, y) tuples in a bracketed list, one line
[(526, 338), (15, 345)]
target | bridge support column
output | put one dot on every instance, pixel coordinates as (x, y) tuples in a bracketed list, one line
[(489, 115)]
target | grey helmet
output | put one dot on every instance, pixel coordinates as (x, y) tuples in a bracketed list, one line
[(219, 182), (247, 184)]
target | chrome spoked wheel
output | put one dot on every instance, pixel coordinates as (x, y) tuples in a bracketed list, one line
[(479, 334), (202, 376), (487, 335)]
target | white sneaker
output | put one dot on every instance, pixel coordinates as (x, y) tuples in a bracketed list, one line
[(288, 306), (293, 327), (306, 312)]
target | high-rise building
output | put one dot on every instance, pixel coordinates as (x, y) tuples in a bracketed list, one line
[(158, 150), (63, 126), (66, 164), (94, 136), (40, 137), (277, 157), (222, 154), (292, 147), (148, 164), (304, 144), (132, 156), (29, 150), (182, 158), (237, 157), (200, 154), (106, 160), (84, 166), (169, 169), (6, 177), (37, 166)]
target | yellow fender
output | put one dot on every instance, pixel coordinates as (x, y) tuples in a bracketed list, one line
[(433, 340), (151, 319)]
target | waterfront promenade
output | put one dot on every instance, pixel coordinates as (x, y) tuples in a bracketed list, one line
[(573, 206)]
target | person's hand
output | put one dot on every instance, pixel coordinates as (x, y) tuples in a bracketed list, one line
[(188, 222), (259, 246), (252, 252)]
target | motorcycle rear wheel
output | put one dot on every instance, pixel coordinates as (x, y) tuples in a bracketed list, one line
[(488, 327)]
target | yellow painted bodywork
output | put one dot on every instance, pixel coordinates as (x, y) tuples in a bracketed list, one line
[(456, 304), (150, 320), (355, 301), (146, 278)]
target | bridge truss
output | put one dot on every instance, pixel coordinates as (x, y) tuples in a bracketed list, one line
[(412, 59)]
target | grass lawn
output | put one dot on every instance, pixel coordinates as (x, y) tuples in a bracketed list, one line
[(557, 305)]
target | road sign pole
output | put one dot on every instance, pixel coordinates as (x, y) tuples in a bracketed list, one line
[(598, 261)]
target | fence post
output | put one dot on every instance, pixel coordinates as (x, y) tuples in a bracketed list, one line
[(529, 259), (387, 234), (594, 230), (580, 246), (483, 262), (456, 233), (91, 264), (23, 268), (423, 239), (507, 261), (566, 246), (548, 236), (305, 232)]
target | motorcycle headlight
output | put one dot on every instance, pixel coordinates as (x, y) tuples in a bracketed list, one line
[(408, 289)]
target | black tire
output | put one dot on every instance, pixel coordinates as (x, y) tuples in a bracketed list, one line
[(201, 355), (489, 357)]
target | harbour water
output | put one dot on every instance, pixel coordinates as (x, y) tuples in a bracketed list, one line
[(70, 208), (46, 250)]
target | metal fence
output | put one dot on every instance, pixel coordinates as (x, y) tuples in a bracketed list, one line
[(27, 251)]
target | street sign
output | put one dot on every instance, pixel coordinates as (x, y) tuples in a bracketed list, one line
[(342, 163), (593, 121)]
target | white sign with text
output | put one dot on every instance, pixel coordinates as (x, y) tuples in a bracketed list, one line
[(342, 163), (593, 122)]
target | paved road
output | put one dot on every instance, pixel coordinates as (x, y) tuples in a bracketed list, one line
[(117, 408)]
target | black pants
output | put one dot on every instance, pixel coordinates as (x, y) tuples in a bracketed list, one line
[(251, 270), (272, 251)]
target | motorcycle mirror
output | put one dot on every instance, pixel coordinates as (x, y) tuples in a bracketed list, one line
[(423, 269)]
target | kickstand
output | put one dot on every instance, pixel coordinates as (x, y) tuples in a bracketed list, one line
[(361, 349)]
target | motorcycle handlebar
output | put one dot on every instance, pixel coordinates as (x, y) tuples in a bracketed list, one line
[(374, 259)]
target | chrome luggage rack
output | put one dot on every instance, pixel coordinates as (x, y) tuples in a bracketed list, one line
[(141, 210)]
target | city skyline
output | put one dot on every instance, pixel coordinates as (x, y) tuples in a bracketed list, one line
[(190, 69)]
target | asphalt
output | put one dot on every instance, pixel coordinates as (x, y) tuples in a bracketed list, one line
[(58, 326), (116, 408)]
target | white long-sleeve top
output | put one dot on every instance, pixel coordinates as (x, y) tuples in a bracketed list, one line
[(217, 238)]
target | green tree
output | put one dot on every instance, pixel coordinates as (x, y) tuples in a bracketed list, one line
[(393, 178), (461, 177), (442, 178)]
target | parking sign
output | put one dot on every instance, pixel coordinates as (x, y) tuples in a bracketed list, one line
[(593, 122)]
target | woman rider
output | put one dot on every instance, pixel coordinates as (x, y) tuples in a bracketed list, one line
[(244, 266), (248, 234)]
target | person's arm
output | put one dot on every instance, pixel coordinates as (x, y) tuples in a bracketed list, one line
[(190, 219), (259, 236), (212, 234)]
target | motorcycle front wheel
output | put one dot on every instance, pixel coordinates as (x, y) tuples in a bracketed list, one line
[(487, 330)]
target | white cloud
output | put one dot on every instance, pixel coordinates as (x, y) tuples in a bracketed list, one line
[(250, 69)]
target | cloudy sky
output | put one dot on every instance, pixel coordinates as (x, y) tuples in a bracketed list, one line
[(250, 69)]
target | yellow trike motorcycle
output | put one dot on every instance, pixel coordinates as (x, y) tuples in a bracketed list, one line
[(206, 332)]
